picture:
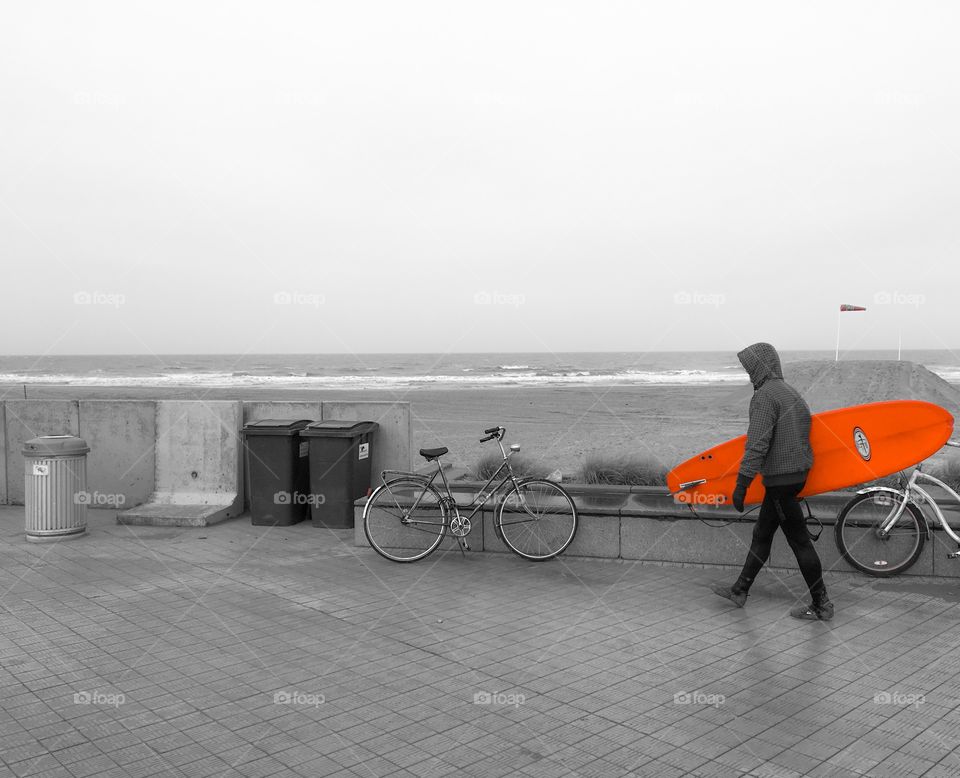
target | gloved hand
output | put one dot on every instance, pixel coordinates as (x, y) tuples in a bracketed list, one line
[(740, 492)]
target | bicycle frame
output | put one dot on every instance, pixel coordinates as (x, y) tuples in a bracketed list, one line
[(482, 497), (907, 494)]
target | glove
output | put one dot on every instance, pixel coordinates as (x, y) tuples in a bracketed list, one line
[(740, 492)]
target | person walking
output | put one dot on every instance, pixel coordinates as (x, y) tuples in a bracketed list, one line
[(778, 447)]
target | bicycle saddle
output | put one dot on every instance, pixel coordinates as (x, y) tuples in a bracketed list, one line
[(433, 453)]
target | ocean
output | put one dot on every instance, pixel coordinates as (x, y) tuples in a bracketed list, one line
[(385, 371)]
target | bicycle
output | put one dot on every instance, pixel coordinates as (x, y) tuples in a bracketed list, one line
[(407, 518), (882, 530)]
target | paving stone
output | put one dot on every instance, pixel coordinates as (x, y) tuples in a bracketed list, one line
[(201, 637)]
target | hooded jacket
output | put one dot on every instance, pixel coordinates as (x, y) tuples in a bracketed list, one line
[(778, 437)]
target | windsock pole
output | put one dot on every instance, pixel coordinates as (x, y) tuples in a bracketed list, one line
[(843, 308)]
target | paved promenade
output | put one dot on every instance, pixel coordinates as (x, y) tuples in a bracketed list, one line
[(240, 650)]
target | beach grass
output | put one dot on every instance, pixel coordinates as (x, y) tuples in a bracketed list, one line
[(948, 471), (636, 470), (487, 465)]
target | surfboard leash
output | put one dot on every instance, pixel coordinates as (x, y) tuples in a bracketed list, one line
[(741, 517), (727, 523)]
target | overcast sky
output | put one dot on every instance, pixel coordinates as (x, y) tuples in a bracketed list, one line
[(528, 176)]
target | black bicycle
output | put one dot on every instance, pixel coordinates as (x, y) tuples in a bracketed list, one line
[(407, 518)]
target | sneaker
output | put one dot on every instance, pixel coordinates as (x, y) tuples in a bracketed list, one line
[(728, 593), (814, 612)]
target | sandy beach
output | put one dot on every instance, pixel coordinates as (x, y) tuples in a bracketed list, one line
[(558, 427)]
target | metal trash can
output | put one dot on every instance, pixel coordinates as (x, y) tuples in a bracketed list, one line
[(277, 473), (55, 493), (339, 469)]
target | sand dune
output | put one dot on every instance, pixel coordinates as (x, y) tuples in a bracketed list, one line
[(826, 385)]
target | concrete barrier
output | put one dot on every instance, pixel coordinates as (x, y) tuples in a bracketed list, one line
[(122, 460), (281, 409), (645, 524), (145, 452), (26, 419), (198, 465)]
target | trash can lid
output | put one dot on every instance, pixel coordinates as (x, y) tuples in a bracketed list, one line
[(337, 428), (55, 446), (277, 427)]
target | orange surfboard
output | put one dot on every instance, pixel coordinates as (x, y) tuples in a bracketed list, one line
[(850, 446)]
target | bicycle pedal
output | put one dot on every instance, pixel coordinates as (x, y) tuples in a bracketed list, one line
[(953, 555)]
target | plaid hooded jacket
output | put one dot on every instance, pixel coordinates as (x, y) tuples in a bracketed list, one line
[(778, 437)]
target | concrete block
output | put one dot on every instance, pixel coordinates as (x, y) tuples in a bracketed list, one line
[(597, 536), (934, 557), (281, 409), (683, 540), (391, 443), (122, 436), (198, 465), (26, 419)]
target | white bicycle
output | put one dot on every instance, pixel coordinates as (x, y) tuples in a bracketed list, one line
[(882, 530)]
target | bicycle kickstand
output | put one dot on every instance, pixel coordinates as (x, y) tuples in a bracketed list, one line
[(464, 546)]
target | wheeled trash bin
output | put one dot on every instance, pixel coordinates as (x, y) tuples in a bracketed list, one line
[(340, 453), (55, 487), (276, 470)]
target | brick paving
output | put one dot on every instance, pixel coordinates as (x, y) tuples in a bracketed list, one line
[(251, 651)]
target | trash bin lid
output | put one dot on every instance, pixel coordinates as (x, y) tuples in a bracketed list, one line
[(55, 446), (337, 428), (275, 427)]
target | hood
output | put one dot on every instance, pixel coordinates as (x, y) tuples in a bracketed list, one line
[(761, 362)]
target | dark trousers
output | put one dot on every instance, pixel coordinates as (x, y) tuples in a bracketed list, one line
[(781, 508)]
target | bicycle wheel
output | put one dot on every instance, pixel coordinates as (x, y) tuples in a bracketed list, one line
[(404, 520), (537, 519), (857, 534)]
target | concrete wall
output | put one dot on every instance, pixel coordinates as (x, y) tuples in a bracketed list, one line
[(645, 524), (198, 452), (124, 439), (26, 419)]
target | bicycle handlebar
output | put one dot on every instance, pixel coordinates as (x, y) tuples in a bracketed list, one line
[(493, 432)]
